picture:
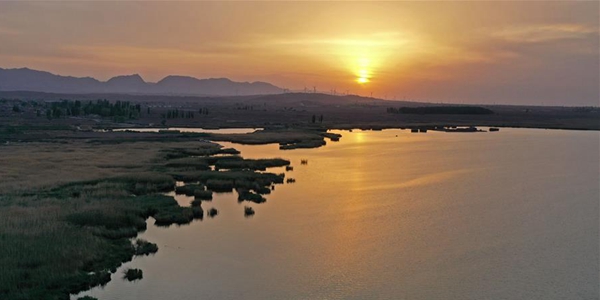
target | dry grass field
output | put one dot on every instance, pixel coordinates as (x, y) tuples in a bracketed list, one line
[(27, 166)]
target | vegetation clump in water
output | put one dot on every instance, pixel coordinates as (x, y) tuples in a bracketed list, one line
[(189, 189), (286, 138), (212, 212), (248, 211), (202, 195), (251, 164), (246, 195), (143, 247), (226, 181), (133, 274), (197, 212), (183, 215), (220, 185), (202, 150)]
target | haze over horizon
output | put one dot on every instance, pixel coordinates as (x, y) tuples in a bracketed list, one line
[(528, 53)]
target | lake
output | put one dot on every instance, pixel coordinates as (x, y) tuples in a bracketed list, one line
[(193, 130), (396, 215)]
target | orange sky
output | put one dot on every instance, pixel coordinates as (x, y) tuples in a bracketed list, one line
[(465, 52)]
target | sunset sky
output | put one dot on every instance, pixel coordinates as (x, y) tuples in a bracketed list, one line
[(464, 52)]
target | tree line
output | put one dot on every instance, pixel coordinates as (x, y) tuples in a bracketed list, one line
[(100, 107)]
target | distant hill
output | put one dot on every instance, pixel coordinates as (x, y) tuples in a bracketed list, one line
[(39, 81)]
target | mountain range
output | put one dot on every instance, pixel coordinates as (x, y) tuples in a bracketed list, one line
[(25, 79)]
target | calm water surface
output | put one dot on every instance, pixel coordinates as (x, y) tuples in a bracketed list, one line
[(395, 215), (196, 130)]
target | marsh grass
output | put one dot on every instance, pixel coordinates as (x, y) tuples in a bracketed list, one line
[(248, 211), (195, 163), (287, 138), (68, 211), (332, 136), (174, 215), (69, 238), (233, 175), (143, 247), (251, 164), (197, 212), (212, 212), (312, 143), (202, 195), (246, 195), (203, 149), (220, 185), (42, 165), (189, 189), (42, 257), (133, 274)]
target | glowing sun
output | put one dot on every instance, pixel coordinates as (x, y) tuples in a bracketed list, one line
[(363, 76)]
